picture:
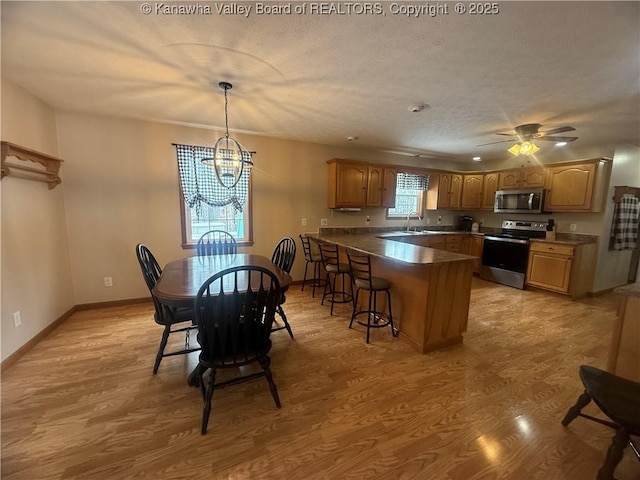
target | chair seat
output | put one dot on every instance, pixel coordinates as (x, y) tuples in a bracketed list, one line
[(617, 397), (338, 268), (376, 283)]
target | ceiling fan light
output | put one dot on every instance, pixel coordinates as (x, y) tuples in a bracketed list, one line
[(561, 144), (528, 148), (515, 150)]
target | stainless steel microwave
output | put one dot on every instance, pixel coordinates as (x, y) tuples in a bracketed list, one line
[(519, 201)]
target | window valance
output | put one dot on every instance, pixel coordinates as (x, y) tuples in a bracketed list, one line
[(412, 181)]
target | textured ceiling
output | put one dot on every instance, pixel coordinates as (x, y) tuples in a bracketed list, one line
[(323, 77)]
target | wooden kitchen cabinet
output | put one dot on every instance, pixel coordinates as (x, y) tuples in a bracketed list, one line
[(577, 187), (389, 187), (489, 188), (472, 245), (472, 191), (550, 266), (445, 191), (356, 185), (561, 267), (525, 177)]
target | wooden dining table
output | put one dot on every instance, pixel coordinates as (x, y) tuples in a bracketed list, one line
[(181, 279)]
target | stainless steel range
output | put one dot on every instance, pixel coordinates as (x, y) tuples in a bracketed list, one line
[(505, 255)]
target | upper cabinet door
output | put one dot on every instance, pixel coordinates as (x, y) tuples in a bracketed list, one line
[(570, 187), (489, 187), (509, 179), (347, 186), (375, 185), (455, 191), (389, 188), (533, 177), (472, 191)]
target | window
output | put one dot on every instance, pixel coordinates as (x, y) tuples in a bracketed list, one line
[(206, 205), (225, 218), (410, 190)]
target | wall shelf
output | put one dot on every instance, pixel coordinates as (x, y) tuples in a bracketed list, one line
[(48, 175)]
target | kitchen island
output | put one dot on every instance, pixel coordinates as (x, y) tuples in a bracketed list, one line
[(430, 288)]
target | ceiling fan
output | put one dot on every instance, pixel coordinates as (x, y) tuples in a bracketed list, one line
[(525, 134)]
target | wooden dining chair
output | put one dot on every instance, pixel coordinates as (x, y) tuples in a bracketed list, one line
[(283, 257), (619, 399), (166, 316), (216, 242), (235, 309)]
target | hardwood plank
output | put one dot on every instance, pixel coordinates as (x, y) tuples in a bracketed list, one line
[(83, 403)]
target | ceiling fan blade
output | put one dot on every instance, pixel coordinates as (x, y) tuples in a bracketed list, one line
[(491, 143), (507, 134), (553, 131), (549, 138)]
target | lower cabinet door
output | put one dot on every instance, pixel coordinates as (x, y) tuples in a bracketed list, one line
[(552, 272)]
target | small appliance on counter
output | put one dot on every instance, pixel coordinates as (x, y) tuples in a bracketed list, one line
[(475, 227), (465, 223)]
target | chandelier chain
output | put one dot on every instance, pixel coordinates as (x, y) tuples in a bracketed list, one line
[(226, 114)]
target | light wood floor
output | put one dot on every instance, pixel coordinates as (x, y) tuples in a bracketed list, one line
[(84, 404)]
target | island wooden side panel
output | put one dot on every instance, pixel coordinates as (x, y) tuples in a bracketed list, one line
[(430, 302)]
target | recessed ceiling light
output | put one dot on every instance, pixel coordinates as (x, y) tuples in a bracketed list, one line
[(417, 107), (561, 144), (476, 159), (352, 139)]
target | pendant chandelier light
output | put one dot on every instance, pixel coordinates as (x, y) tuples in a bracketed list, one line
[(229, 158)]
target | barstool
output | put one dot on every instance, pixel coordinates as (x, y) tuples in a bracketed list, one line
[(331, 261), (314, 259), (360, 266)]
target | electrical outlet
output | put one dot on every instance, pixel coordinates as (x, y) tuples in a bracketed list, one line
[(304, 222), (573, 227), (428, 221), (439, 219), (108, 281), (367, 220), (17, 318), (324, 222)]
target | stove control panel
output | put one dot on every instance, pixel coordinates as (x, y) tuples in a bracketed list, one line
[(524, 225)]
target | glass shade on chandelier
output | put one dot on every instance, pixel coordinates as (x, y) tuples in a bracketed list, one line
[(524, 148), (230, 158)]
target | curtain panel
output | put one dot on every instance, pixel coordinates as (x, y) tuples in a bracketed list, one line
[(200, 185)]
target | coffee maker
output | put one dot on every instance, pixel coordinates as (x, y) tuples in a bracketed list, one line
[(465, 222)]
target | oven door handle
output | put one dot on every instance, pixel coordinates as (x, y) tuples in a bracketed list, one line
[(510, 240)]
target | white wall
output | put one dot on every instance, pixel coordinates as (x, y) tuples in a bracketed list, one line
[(613, 266), (36, 273)]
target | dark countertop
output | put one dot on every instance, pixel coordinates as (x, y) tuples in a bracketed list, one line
[(372, 244), (570, 239)]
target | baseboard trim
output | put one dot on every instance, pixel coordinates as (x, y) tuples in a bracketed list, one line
[(15, 356), (113, 303)]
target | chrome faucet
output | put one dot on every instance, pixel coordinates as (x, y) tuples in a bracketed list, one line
[(417, 214)]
